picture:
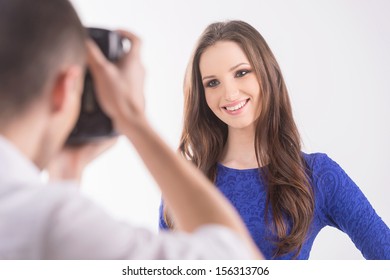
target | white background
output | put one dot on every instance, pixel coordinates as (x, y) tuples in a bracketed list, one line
[(335, 57)]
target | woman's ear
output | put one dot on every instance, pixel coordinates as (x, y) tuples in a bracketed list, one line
[(68, 85)]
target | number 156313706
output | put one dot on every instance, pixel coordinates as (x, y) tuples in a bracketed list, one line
[(250, 270)]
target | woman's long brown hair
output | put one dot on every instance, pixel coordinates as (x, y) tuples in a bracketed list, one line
[(277, 142)]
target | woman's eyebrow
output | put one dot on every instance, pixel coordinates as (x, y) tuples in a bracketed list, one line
[(231, 69), (238, 65)]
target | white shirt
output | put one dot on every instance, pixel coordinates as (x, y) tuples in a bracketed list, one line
[(54, 221)]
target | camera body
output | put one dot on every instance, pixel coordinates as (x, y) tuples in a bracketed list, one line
[(93, 123)]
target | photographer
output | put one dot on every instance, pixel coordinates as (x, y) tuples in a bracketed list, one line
[(43, 57)]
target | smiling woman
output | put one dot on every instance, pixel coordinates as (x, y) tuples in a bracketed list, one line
[(239, 130), (232, 88)]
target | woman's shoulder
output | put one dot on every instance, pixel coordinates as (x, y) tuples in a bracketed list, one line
[(330, 182), (317, 162), (325, 173)]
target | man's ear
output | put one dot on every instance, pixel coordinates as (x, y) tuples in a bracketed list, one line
[(67, 85)]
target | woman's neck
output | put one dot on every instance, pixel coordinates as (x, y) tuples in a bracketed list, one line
[(239, 151)]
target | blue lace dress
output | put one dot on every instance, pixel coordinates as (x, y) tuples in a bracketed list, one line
[(338, 203)]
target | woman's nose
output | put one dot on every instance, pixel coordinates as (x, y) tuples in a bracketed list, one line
[(231, 92)]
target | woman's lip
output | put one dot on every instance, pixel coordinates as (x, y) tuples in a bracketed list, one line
[(238, 111), (234, 103)]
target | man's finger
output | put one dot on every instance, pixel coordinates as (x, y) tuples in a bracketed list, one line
[(134, 39), (95, 57)]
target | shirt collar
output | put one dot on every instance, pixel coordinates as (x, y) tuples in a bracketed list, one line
[(15, 167)]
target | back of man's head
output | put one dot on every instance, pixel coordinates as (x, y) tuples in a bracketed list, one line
[(37, 39)]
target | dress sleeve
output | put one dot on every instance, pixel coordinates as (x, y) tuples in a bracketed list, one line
[(161, 221), (346, 208)]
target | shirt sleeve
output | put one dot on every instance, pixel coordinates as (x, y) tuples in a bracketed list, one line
[(79, 229), (346, 208)]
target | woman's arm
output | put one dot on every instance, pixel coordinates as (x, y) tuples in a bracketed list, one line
[(346, 208)]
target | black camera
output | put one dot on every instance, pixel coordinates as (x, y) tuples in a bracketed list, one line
[(93, 123)]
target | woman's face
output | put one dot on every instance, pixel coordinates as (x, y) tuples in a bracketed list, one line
[(231, 87)]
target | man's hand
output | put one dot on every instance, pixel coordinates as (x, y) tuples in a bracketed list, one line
[(120, 86), (70, 162)]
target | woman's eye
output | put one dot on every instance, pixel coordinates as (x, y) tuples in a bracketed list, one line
[(242, 73), (212, 83)]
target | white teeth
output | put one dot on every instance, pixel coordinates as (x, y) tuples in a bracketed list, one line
[(238, 106)]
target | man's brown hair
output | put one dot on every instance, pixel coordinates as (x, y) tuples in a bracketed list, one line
[(37, 38)]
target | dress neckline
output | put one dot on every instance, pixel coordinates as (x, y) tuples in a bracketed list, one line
[(223, 167)]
